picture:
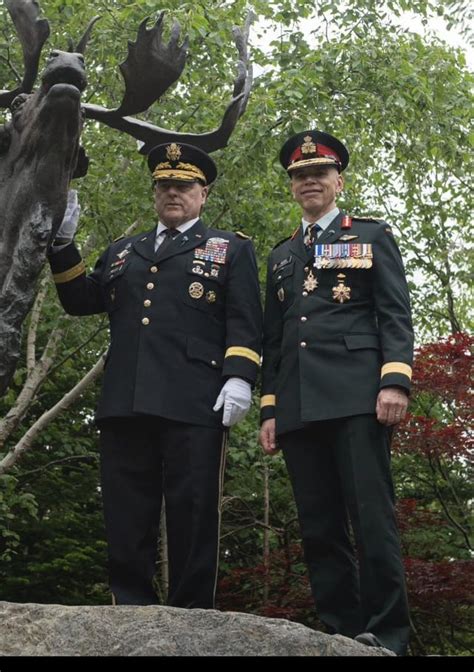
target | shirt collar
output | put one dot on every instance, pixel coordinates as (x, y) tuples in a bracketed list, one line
[(323, 221), (181, 228)]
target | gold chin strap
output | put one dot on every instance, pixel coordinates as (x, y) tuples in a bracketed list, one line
[(319, 161), (183, 171)]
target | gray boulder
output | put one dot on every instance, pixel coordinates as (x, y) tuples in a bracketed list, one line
[(55, 630)]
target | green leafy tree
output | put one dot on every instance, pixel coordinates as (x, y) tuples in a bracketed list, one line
[(401, 104)]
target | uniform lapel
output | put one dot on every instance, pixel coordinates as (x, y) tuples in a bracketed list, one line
[(145, 246), (332, 232), (297, 246)]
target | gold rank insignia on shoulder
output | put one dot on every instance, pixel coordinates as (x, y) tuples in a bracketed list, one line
[(196, 290), (341, 292)]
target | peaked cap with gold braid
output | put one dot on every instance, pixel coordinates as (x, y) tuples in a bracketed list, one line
[(313, 148), (178, 161)]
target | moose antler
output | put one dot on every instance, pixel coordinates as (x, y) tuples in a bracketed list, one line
[(150, 68), (33, 33)]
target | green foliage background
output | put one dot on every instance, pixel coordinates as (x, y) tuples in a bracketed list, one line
[(400, 102)]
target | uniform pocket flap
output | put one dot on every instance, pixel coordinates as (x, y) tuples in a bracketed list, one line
[(205, 352), (284, 272), (360, 341)]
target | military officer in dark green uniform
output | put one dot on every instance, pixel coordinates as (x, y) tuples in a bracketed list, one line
[(337, 357), (185, 325)]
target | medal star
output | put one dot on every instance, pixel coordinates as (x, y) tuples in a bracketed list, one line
[(310, 282), (341, 293)]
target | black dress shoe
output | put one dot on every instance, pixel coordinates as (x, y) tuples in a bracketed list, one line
[(369, 639)]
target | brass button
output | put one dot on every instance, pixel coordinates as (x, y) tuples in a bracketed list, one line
[(304, 318), (306, 269), (303, 344), (154, 269), (147, 303), (206, 275), (145, 321), (305, 293), (213, 362), (150, 285)]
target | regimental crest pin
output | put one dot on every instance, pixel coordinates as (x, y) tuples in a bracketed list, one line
[(341, 292), (211, 296), (310, 283), (196, 290)]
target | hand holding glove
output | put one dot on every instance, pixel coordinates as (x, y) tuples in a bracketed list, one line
[(70, 221), (235, 396)]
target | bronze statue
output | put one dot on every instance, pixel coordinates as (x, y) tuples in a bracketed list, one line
[(40, 148)]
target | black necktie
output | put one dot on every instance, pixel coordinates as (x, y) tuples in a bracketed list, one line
[(168, 236), (311, 235)]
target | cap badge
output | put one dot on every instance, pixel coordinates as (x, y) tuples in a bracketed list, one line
[(173, 152), (308, 146)]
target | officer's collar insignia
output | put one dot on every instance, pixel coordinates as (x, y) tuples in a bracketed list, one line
[(308, 146), (173, 152), (347, 237)]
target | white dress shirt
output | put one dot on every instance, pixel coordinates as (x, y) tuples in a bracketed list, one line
[(161, 228)]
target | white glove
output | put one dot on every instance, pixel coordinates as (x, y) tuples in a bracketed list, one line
[(235, 396), (70, 221)]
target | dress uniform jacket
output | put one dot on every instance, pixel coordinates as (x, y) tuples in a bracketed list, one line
[(180, 320), (324, 358)]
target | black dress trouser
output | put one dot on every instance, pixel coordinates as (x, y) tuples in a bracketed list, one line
[(340, 470), (142, 459)]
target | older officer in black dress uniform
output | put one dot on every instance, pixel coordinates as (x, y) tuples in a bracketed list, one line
[(337, 361), (185, 325)]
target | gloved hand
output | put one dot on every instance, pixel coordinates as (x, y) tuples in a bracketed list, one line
[(70, 221), (235, 396)]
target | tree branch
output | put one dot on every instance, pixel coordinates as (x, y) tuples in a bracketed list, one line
[(28, 439), (37, 376), (34, 321)]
